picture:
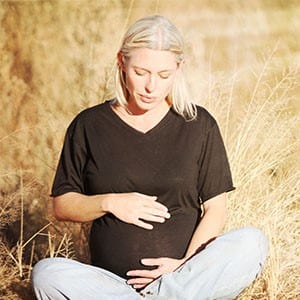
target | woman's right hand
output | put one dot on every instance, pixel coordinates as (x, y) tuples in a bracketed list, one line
[(135, 208)]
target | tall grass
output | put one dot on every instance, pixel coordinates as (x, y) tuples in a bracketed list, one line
[(56, 59)]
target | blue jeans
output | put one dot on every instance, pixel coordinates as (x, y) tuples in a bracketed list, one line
[(222, 270)]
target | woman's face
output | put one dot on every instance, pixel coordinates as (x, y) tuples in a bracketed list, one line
[(149, 77)]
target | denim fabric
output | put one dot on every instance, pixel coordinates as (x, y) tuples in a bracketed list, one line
[(220, 271)]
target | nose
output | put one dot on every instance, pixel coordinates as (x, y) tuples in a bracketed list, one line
[(150, 84)]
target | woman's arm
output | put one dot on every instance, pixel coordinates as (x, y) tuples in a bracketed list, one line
[(211, 225), (128, 207), (79, 208)]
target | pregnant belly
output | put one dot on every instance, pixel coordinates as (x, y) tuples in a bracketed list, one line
[(119, 247)]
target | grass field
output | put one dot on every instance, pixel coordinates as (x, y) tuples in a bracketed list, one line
[(242, 65)]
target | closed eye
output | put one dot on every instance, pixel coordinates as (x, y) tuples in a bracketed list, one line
[(164, 75), (140, 72)]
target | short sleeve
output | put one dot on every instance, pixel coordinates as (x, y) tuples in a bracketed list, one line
[(214, 175), (69, 173)]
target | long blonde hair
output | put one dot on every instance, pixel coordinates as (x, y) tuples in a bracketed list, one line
[(157, 33)]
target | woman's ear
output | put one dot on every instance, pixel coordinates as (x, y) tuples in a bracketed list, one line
[(180, 65), (179, 68), (121, 60)]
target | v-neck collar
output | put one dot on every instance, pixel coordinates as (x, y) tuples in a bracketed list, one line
[(162, 123)]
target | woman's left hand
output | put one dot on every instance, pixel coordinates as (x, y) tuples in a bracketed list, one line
[(144, 277)]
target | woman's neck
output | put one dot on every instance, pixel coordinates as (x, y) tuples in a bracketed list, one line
[(141, 120)]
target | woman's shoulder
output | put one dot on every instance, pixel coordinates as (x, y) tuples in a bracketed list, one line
[(203, 122), (89, 117), (202, 112), (204, 118), (93, 111)]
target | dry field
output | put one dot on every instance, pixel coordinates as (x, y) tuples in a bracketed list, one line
[(242, 64)]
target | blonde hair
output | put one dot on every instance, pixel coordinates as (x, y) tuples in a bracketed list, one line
[(157, 33)]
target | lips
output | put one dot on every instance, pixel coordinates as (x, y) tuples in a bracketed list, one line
[(145, 98)]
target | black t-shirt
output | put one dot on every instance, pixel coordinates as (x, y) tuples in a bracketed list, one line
[(181, 162)]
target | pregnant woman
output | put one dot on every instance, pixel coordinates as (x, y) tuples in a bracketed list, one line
[(149, 168)]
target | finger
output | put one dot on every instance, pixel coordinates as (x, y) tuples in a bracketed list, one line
[(156, 211), (160, 210), (152, 274), (149, 217), (139, 286), (151, 261), (142, 224), (143, 281), (147, 197), (157, 205)]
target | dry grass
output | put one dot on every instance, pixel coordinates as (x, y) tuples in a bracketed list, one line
[(243, 65)]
